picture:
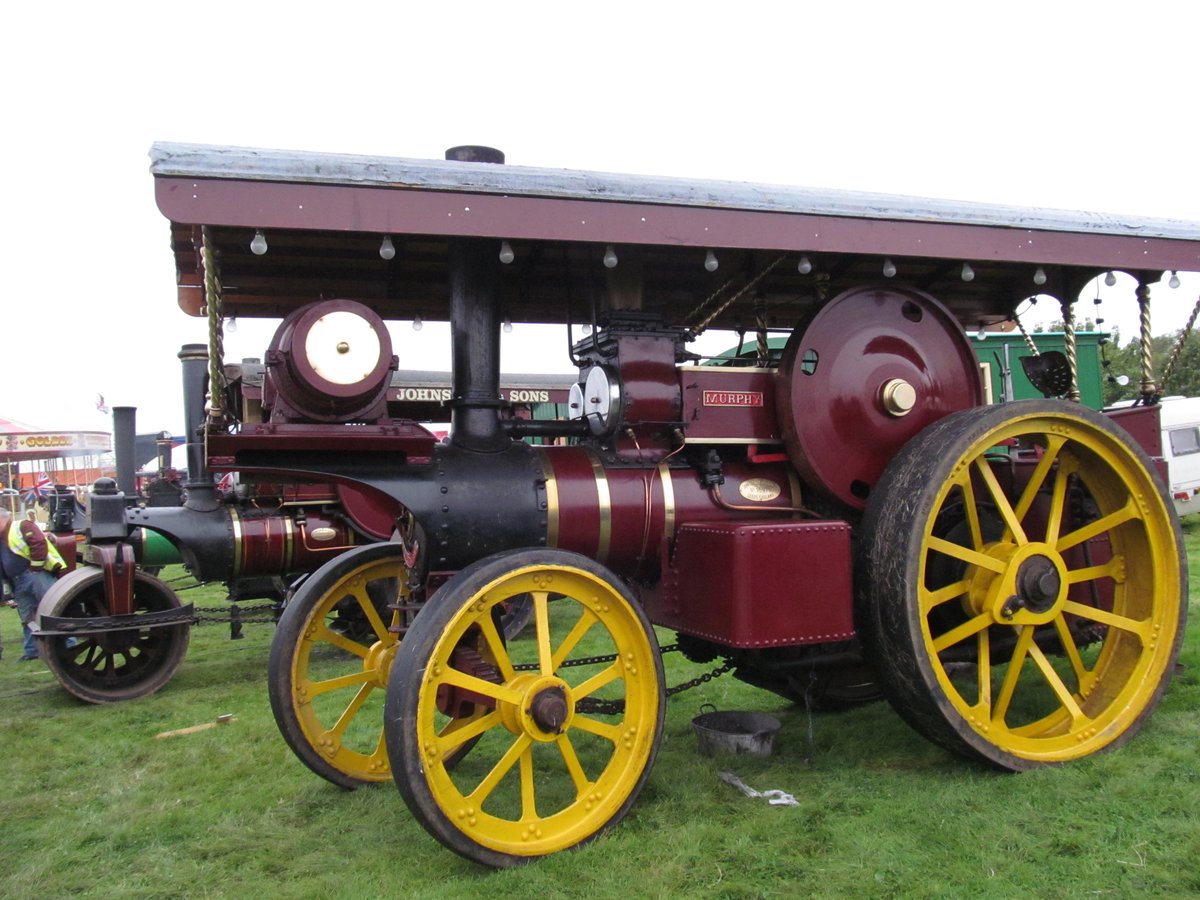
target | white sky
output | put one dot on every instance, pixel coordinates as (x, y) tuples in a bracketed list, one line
[(1069, 105)]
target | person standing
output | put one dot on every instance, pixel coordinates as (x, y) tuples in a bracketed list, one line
[(29, 560)]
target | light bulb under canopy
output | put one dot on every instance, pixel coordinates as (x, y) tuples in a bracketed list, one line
[(1111, 278), (258, 246), (1039, 276), (968, 274), (1174, 282), (711, 262), (610, 257), (506, 253), (889, 269), (417, 323), (804, 266), (387, 250), (507, 326)]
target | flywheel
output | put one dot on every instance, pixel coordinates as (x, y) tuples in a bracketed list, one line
[(872, 368)]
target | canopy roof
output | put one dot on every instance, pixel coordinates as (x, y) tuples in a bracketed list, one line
[(324, 218), (26, 446)]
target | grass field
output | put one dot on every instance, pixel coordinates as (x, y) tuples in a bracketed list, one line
[(94, 805)]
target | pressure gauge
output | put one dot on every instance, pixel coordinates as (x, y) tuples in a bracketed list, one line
[(601, 399)]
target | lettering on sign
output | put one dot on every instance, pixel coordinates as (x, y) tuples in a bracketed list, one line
[(733, 398), (425, 395), (434, 395), (759, 490), (527, 396), (47, 441)]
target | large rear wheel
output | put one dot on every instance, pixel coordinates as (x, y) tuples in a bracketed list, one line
[(565, 726), (1022, 584)]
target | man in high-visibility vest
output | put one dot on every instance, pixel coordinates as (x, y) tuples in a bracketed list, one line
[(29, 560)]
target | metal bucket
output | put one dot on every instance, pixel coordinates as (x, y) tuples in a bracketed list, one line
[(736, 733)]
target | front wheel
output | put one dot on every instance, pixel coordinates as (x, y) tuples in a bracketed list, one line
[(1022, 583), (122, 664), (565, 727), (329, 663)]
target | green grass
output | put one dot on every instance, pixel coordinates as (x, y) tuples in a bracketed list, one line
[(95, 806)]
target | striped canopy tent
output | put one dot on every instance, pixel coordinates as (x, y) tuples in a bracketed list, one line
[(23, 443)]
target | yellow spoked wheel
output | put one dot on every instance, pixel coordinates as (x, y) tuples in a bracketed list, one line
[(330, 659), (1022, 583), (565, 725)]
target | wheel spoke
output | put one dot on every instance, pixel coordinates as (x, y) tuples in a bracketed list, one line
[(316, 688), (329, 636), (1013, 675), (1068, 701), (528, 798), (499, 692), (541, 616), (352, 710), (1125, 514), (458, 731), (599, 680), (1054, 443), (972, 626), (607, 730), (502, 768), (495, 644), (1012, 523), (581, 627), (369, 610), (930, 599), (574, 767), (983, 672), (1058, 502), (1083, 678), (965, 554), (1139, 627), (1114, 569)]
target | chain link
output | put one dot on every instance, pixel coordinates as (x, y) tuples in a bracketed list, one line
[(260, 614), (616, 707), (266, 613)]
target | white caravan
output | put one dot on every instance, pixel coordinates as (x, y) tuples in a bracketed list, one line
[(1181, 449)]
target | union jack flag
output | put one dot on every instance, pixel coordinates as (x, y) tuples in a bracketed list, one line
[(41, 488)]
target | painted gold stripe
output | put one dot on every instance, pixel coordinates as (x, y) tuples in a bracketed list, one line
[(289, 544), (668, 491), (552, 511), (604, 501), (236, 521), (797, 497)]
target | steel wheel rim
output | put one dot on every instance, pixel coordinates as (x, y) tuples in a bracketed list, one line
[(1096, 694), (465, 799), (327, 708), (114, 665)]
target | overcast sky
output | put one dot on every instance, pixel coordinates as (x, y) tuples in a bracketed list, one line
[(1077, 106)]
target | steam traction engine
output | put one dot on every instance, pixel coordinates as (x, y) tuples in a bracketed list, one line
[(847, 518)]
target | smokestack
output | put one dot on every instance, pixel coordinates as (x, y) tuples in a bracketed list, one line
[(124, 435), (475, 331), (200, 492)]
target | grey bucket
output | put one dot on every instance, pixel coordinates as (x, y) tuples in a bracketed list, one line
[(734, 732)]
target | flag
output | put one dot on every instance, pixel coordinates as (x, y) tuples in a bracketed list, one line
[(101, 405), (41, 487)]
